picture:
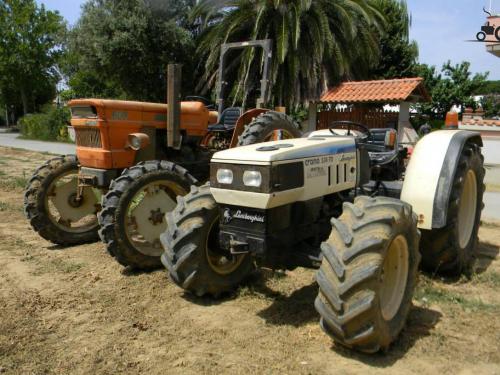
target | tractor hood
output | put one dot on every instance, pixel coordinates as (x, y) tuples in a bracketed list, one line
[(317, 144), (285, 171)]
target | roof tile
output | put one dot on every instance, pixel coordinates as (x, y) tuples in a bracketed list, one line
[(380, 91)]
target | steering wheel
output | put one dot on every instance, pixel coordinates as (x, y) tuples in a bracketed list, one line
[(349, 124)]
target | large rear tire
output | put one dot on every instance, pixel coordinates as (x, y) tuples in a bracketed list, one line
[(133, 212), (269, 126), (452, 250), (193, 258), (52, 207), (368, 274)]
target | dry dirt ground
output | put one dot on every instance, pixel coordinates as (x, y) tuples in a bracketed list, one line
[(75, 310)]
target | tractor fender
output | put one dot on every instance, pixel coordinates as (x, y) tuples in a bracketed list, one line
[(431, 172)]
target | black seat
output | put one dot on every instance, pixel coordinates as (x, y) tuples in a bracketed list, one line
[(227, 120), (376, 147), (376, 142)]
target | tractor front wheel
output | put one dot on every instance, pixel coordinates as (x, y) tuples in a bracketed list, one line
[(193, 257), (55, 209), (368, 274), (133, 212)]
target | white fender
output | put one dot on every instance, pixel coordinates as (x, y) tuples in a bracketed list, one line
[(430, 174)]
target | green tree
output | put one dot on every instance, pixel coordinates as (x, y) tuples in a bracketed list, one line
[(398, 55), (30, 45), (316, 43), (453, 86), (490, 87), (121, 49)]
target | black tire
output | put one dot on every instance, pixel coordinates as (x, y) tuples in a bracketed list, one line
[(440, 248), (35, 206), (116, 202), (262, 126), (497, 33), (350, 299), (192, 228), (481, 36)]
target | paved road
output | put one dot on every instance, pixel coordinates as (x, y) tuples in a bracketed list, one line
[(491, 150), (491, 206), (11, 140)]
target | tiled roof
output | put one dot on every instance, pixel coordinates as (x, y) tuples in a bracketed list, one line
[(481, 122), (381, 91)]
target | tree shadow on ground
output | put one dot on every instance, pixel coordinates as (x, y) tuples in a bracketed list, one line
[(132, 272), (296, 309), (421, 322), (487, 253)]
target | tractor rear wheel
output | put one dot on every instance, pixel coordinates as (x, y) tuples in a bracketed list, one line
[(269, 126), (193, 257), (452, 250), (52, 205), (133, 211), (368, 274)]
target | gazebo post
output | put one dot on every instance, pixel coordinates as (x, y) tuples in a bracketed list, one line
[(313, 117), (404, 115), (406, 132)]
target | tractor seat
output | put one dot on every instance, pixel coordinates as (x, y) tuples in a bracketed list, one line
[(376, 142), (227, 120), (376, 147)]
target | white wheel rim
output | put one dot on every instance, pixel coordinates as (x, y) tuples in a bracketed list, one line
[(467, 209), (72, 219), (394, 277), (144, 219)]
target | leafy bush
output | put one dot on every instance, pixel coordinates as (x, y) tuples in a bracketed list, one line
[(49, 125)]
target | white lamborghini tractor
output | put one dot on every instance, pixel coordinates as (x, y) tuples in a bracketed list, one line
[(348, 201)]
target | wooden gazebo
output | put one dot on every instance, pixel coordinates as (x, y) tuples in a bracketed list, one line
[(363, 102)]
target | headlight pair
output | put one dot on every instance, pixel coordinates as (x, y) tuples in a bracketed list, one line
[(250, 178)]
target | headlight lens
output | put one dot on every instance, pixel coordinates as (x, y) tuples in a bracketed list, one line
[(225, 176), (136, 143), (252, 178)]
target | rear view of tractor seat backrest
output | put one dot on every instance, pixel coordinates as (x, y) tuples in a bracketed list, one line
[(377, 140), (230, 116)]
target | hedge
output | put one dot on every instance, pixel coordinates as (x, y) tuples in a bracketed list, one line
[(49, 125)]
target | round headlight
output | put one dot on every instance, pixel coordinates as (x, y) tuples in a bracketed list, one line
[(225, 176), (252, 178), (135, 143)]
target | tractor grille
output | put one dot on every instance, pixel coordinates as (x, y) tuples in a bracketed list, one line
[(88, 137)]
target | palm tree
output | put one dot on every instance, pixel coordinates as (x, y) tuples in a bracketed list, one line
[(316, 43)]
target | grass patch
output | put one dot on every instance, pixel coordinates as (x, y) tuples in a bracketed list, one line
[(56, 265), (492, 188), (14, 183), (4, 206), (491, 279), (429, 294)]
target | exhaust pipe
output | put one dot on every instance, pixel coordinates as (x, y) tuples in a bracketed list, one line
[(174, 77)]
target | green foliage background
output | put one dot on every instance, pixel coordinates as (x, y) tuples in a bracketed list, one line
[(121, 48)]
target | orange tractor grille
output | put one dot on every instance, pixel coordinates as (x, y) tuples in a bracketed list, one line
[(88, 137)]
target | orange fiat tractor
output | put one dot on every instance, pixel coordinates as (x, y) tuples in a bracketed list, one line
[(133, 159)]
